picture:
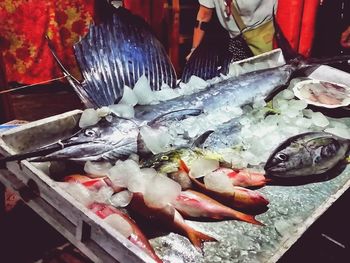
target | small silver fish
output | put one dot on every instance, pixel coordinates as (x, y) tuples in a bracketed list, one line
[(307, 154)]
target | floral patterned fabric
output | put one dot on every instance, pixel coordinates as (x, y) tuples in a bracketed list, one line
[(23, 27)]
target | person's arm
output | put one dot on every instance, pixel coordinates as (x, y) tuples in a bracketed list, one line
[(345, 38), (204, 16)]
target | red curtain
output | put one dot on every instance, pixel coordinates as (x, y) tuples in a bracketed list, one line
[(297, 20), (24, 25)]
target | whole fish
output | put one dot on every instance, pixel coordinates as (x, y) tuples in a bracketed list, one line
[(169, 217), (239, 198), (192, 204), (136, 237), (227, 93), (112, 140), (236, 197), (307, 154)]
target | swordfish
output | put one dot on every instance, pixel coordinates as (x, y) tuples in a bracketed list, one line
[(118, 53), (118, 138)]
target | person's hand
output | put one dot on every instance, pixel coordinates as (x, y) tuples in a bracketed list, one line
[(190, 54), (345, 38)]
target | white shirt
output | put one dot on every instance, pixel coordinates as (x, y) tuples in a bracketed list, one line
[(253, 13)]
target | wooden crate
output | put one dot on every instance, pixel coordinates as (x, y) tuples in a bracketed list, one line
[(95, 238)]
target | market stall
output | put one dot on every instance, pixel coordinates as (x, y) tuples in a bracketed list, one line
[(230, 169)]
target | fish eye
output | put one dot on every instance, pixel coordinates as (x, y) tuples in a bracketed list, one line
[(282, 157), (90, 133), (164, 158)]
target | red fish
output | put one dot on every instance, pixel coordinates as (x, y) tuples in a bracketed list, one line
[(240, 198), (192, 204), (169, 216), (137, 237), (246, 178), (92, 183)]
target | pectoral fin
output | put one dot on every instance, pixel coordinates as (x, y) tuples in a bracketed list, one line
[(177, 115)]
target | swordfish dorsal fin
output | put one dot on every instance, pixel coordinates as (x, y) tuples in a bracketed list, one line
[(117, 53)]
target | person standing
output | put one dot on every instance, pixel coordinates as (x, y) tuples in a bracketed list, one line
[(253, 18)]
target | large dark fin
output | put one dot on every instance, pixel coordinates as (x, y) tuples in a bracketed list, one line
[(200, 140), (207, 61), (211, 57), (118, 53)]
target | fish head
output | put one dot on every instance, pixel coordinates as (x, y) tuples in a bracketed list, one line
[(306, 154), (108, 140), (166, 162)]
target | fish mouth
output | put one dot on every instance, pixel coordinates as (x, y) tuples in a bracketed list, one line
[(274, 169), (40, 154)]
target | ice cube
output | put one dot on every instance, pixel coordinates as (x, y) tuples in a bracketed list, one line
[(218, 181), (121, 199), (103, 111), (287, 94), (120, 224), (139, 183), (308, 113), (79, 192), (303, 123), (203, 166), (96, 169), (88, 117), (122, 172), (143, 92), (281, 104), (129, 97), (123, 110), (156, 140), (298, 104), (197, 83), (166, 93), (235, 70), (161, 191), (319, 119), (103, 194)]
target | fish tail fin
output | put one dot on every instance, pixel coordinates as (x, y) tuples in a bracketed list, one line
[(307, 66), (246, 218), (77, 86), (198, 238), (249, 198), (326, 61)]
